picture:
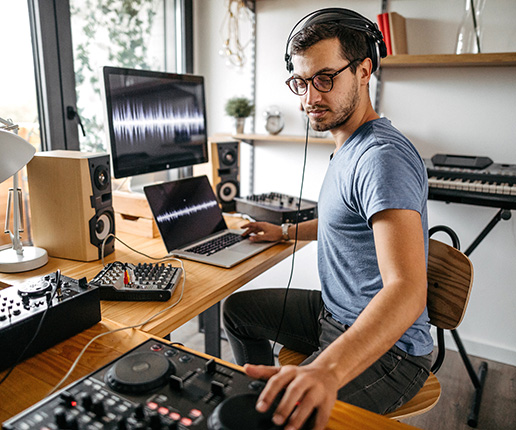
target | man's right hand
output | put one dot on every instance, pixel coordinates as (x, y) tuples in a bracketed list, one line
[(262, 232)]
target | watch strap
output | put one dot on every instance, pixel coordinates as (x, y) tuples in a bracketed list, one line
[(284, 231)]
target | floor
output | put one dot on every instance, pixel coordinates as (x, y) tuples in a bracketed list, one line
[(498, 407)]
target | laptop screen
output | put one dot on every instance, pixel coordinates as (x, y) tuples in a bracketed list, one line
[(185, 211)]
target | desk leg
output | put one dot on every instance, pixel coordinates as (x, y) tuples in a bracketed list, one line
[(210, 325)]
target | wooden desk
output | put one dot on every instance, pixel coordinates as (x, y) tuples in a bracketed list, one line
[(204, 288), (33, 379)]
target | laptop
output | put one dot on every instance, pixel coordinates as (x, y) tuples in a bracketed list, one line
[(190, 222)]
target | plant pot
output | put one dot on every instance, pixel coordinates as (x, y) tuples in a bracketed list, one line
[(239, 125)]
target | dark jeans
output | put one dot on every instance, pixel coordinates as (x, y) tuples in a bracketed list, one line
[(252, 318)]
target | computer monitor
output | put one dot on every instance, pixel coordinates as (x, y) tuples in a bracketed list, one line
[(156, 121)]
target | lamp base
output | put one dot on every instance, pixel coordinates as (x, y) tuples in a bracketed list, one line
[(32, 258)]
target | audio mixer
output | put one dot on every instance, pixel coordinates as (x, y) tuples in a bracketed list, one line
[(69, 306), (276, 208), (147, 281), (154, 386)]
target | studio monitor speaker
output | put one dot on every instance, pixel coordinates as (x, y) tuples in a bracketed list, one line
[(71, 204), (225, 158)]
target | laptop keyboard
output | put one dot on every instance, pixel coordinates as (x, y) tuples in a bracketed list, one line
[(217, 244)]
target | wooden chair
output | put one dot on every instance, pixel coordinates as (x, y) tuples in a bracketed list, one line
[(450, 277)]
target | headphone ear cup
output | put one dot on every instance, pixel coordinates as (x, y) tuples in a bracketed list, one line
[(383, 48), (374, 51), (288, 61)]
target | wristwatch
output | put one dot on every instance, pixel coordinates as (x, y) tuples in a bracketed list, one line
[(284, 231)]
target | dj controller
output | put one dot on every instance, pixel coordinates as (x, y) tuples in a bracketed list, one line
[(155, 386), (36, 314)]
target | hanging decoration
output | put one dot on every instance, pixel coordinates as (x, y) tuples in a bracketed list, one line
[(237, 20)]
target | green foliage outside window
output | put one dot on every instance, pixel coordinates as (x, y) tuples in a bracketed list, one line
[(108, 32)]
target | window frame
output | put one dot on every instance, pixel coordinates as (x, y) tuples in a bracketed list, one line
[(54, 70)]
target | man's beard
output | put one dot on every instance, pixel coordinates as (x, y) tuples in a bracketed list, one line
[(342, 116)]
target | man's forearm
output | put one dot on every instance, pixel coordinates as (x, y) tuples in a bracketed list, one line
[(306, 230)]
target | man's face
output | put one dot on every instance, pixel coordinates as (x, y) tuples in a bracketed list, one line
[(327, 111)]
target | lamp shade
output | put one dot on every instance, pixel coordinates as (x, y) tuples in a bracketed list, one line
[(15, 152)]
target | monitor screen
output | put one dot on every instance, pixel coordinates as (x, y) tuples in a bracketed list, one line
[(156, 121)]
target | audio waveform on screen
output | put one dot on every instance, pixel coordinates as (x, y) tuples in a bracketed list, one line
[(136, 122), (189, 210)]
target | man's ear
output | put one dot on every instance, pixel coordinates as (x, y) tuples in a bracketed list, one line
[(364, 71)]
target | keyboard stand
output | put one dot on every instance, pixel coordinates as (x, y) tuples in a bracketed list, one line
[(479, 378)]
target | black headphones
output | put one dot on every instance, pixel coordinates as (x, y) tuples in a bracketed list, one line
[(375, 44)]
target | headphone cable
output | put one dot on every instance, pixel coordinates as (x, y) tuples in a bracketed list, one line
[(295, 241)]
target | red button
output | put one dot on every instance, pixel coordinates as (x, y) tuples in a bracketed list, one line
[(195, 413), (175, 416), (163, 411), (152, 406), (186, 421)]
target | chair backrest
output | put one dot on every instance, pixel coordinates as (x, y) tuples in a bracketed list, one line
[(450, 277)]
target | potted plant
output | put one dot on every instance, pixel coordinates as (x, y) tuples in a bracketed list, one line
[(239, 108)]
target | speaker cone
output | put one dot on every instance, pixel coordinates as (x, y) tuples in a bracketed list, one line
[(103, 226), (227, 191), (101, 177)]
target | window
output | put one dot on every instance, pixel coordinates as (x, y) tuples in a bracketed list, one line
[(39, 88), (18, 102), (137, 34)]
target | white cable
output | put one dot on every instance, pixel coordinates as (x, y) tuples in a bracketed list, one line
[(74, 364)]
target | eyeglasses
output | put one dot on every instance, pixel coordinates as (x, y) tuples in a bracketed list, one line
[(322, 82)]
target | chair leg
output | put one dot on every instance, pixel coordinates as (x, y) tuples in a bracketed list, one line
[(478, 380)]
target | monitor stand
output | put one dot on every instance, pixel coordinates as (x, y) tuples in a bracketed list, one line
[(138, 182)]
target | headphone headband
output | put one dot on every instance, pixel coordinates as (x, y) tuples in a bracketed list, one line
[(349, 19)]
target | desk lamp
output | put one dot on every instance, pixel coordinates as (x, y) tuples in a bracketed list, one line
[(15, 153)]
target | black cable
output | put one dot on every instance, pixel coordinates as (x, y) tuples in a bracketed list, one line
[(295, 241), (38, 329)]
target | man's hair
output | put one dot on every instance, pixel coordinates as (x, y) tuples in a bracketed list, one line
[(353, 43)]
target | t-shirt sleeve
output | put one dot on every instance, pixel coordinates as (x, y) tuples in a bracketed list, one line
[(387, 177)]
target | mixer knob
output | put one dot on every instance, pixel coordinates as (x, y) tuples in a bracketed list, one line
[(83, 283), (86, 401), (73, 424), (139, 412), (173, 425), (67, 399), (25, 299), (120, 423), (60, 418), (154, 420), (97, 407)]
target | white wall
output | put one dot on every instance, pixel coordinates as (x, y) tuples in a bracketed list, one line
[(467, 111)]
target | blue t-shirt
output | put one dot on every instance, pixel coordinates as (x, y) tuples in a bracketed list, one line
[(377, 168)]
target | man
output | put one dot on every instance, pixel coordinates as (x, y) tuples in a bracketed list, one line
[(367, 329)]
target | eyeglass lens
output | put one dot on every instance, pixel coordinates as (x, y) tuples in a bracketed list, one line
[(320, 82)]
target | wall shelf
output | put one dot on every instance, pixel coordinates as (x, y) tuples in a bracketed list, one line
[(451, 60)]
